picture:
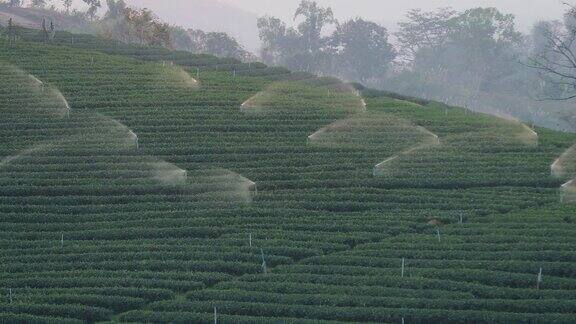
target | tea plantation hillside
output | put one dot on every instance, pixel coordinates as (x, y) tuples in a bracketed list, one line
[(144, 185)]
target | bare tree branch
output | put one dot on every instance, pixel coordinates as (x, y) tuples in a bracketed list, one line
[(558, 60)]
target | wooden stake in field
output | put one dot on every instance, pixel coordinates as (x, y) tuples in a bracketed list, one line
[(10, 295), (45, 31), (11, 32), (255, 189), (215, 315), (135, 138), (438, 233), (539, 279), (250, 239), (264, 270), (62, 241), (403, 263)]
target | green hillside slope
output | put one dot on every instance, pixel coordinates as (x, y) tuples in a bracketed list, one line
[(135, 189)]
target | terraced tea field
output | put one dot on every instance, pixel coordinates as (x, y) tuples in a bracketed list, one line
[(143, 185)]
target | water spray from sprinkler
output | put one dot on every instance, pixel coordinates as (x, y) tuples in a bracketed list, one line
[(253, 188), (264, 269), (39, 83), (566, 189), (436, 141), (363, 102), (135, 138)]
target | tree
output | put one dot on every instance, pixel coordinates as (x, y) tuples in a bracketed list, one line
[(218, 44), (474, 49), (140, 21), (181, 40), (303, 48), (271, 31), (116, 9), (555, 56), (115, 24), (487, 44), (479, 27), (279, 42), (149, 30), (425, 30), (12, 3), (159, 35), (310, 29), (134, 26), (38, 3), (482, 26), (67, 4), (315, 19), (362, 50), (465, 58), (93, 6)]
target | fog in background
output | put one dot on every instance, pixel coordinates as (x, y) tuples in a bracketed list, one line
[(473, 57), (391, 11), (238, 17)]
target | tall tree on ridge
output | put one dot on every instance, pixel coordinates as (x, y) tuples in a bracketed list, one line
[(67, 4), (38, 3), (556, 56), (362, 50), (316, 19), (93, 6)]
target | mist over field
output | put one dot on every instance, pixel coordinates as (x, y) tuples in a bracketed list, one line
[(299, 161), (514, 96), (239, 16)]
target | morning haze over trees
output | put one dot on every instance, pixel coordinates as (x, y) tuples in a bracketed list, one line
[(554, 54), (141, 26), (357, 50), (475, 58)]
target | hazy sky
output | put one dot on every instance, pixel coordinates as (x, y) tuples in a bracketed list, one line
[(391, 11), (238, 17)]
